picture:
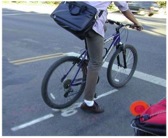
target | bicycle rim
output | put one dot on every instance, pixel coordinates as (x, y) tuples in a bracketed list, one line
[(117, 74), (60, 87)]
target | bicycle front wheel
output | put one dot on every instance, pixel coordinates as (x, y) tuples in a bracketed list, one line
[(122, 66), (64, 82)]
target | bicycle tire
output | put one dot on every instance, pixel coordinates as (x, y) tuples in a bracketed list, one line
[(119, 80), (57, 92)]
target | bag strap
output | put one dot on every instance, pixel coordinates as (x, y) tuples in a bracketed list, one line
[(78, 10), (100, 13), (81, 8)]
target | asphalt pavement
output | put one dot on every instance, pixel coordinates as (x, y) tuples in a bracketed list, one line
[(32, 42)]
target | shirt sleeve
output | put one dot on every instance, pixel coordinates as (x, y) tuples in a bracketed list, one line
[(122, 5)]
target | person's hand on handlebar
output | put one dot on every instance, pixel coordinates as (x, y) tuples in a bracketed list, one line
[(137, 26), (128, 14)]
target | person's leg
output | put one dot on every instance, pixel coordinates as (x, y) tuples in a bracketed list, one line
[(95, 44)]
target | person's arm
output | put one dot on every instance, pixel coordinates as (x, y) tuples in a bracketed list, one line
[(123, 7), (128, 14)]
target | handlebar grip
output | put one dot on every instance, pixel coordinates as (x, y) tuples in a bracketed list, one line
[(114, 22), (110, 21)]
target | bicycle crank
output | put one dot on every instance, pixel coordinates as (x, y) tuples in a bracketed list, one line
[(67, 87)]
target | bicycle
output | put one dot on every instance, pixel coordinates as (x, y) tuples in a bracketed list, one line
[(64, 82)]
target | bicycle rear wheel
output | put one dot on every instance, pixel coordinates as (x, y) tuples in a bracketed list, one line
[(64, 82), (117, 74)]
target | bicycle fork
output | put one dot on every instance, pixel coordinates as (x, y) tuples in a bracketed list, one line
[(121, 48)]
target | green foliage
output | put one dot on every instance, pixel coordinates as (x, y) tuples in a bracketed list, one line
[(52, 2), (162, 3), (112, 7)]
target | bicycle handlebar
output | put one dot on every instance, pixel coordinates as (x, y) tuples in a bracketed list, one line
[(120, 25), (113, 22)]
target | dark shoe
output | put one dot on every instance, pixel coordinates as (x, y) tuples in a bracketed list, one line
[(93, 109)]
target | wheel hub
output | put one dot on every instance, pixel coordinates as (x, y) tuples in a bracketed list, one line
[(67, 83)]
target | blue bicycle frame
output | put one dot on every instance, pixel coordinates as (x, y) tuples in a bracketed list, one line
[(116, 42)]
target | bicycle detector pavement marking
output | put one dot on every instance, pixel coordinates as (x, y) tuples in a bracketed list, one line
[(64, 112), (72, 110)]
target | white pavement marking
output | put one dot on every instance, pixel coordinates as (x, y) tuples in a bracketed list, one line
[(32, 122), (146, 77), (107, 93), (48, 116), (137, 74)]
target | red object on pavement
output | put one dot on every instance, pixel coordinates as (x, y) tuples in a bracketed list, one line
[(149, 120), (138, 107)]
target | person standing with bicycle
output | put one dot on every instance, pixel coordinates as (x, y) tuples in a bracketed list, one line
[(95, 43)]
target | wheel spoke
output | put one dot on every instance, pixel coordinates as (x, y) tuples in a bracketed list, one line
[(63, 83), (117, 74)]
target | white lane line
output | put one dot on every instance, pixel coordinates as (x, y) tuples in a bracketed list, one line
[(146, 77), (72, 54), (35, 121), (137, 74), (106, 94), (48, 116), (150, 78)]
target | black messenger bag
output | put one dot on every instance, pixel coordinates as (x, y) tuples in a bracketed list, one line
[(76, 17)]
